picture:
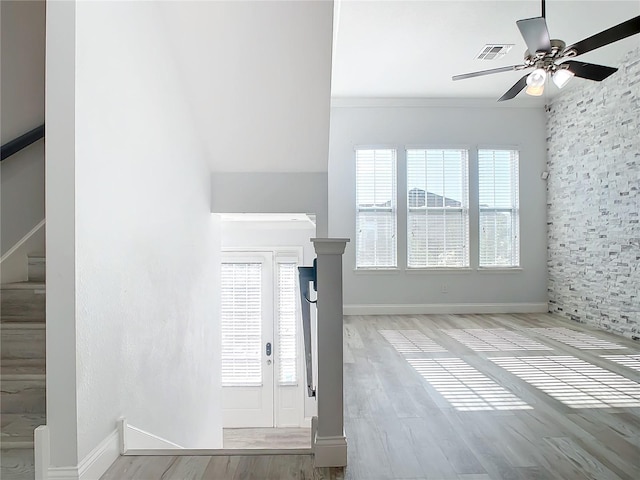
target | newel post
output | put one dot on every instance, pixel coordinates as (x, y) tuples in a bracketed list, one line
[(329, 441)]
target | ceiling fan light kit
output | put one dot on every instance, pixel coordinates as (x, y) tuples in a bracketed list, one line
[(562, 76), (537, 77), (551, 57), (535, 90)]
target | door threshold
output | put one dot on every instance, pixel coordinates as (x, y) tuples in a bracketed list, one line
[(278, 438), (216, 452)]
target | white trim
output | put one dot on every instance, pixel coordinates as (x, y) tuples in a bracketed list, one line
[(14, 261), (437, 270), (500, 270), (122, 435), (63, 473), (138, 439), (20, 242), (94, 465), (377, 271), (382, 102), (445, 308), (330, 451), (42, 452)]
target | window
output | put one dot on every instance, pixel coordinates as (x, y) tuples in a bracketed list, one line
[(376, 209), (499, 208), (241, 323), (287, 323), (437, 208)]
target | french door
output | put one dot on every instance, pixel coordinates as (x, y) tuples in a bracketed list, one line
[(260, 340)]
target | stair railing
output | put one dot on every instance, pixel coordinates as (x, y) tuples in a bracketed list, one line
[(14, 146), (307, 275)]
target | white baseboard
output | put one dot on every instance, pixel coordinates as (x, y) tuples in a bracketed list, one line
[(137, 439), (14, 261), (92, 467), (445, 308)]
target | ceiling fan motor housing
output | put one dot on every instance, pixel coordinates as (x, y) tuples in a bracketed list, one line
[(547, 60)]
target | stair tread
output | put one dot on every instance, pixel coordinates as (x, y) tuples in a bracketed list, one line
[(13, 319), (30, 377), (23, 366), (22, 325), (23, 286)]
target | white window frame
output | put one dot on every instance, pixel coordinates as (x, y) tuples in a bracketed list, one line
[(463, 209), (513, 209), (392, 209)]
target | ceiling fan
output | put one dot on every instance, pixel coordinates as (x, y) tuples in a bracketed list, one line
[(550, 57)]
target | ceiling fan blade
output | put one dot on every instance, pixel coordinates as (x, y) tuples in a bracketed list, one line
[(613, 34), (487, 72), (590, 71), (535, 34), (515, 90)]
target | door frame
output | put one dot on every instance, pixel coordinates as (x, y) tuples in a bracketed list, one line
[(290, 253)]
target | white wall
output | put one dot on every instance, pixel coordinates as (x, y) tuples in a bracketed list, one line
[(22, 85), (470, 124), (146, 245), (258, 75)]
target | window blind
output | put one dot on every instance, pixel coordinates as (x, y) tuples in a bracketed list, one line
[(437, 208), (241, 323), (376, 212), (287, 323), (499, 208)]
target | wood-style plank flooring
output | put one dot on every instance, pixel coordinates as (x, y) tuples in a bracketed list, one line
[(272, 438), (427, 398)]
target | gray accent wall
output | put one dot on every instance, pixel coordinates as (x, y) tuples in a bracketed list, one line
[(469, 124), (593, 201)]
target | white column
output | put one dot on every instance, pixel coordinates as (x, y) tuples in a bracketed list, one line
[(329, 441)]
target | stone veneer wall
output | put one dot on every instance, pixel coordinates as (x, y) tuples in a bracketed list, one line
[(593, 147)]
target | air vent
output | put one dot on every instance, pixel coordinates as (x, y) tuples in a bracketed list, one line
[(494, 51)]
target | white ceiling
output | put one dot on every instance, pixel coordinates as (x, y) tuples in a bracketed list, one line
[(411, 49)]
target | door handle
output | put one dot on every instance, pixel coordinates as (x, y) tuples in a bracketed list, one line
[(268, 349)]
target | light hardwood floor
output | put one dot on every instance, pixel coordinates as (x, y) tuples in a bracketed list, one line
[(413, 403), (272, 438)]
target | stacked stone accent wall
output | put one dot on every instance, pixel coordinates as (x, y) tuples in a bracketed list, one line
[(593, 145)]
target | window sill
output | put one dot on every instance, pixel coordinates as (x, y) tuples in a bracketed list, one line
[(436, 270), (376, 271), (499, 269)]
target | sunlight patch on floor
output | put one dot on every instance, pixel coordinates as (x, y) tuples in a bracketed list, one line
[(578, 340), (630, 361), (494, 340), (465, 387), (411, 341), (574, 382)]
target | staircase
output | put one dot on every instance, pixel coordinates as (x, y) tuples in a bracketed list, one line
[(22, 379)]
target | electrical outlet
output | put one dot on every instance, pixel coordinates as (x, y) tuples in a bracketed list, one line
[(444, 288)]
